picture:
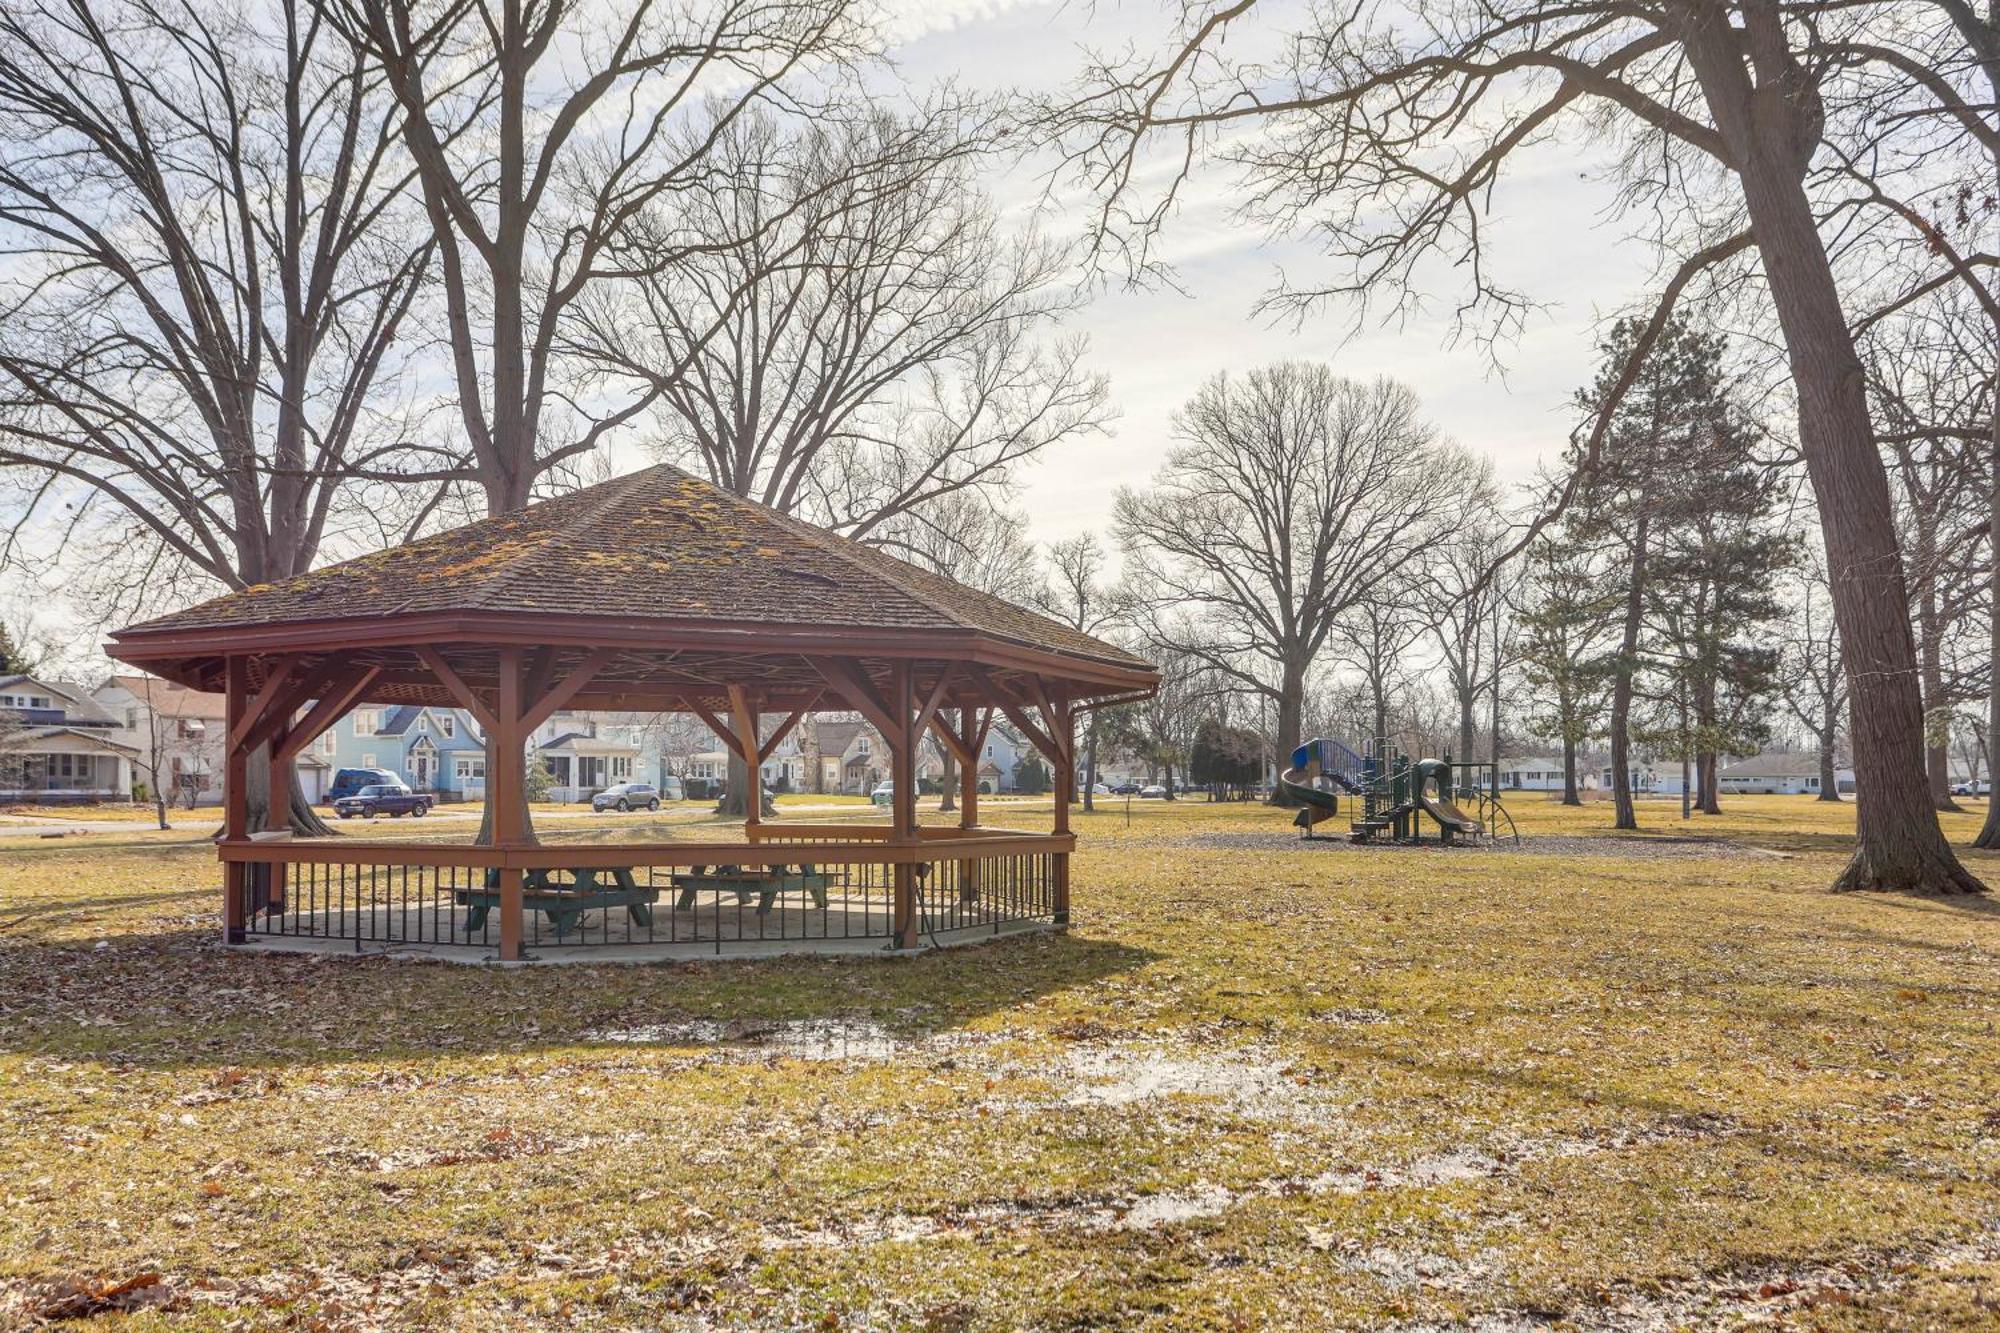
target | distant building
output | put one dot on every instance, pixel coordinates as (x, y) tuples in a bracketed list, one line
[(1538, 773), (1778, 775), (580, 762), (59, 745), (176, 735), (430, 748)]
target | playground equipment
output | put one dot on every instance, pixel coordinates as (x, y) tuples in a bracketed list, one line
[(1395, 794)]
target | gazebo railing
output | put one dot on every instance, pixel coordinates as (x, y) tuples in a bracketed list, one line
[(833, 885)]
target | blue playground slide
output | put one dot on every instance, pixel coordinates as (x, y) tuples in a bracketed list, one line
[(1321, 770)]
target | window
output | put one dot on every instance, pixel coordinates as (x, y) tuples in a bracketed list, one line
[(364, 723), (368, 761), (132, 718), (447, 725), (470, 768), (621, 767), (424, 725)]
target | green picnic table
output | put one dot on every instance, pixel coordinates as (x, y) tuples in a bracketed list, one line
[(564, 901), (764, 885)]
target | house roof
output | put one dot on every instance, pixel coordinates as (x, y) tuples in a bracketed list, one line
[(836, 736), (654, 545), (169, 699), (1773, 765), (25, 738), (74, 702)]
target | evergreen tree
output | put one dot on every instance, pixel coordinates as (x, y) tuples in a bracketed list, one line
[(1675, 429)]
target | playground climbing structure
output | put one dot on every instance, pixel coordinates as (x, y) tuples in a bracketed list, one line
[(1394, 797)]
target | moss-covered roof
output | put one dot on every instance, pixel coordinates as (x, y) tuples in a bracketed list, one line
[(657, 544)]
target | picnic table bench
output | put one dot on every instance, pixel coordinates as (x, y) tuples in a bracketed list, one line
[(563, 901), (764, 885)]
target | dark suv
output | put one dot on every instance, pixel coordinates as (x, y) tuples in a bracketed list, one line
[(382, 799), (348, 781)]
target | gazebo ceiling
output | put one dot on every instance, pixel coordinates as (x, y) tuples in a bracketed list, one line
[(670, 588)]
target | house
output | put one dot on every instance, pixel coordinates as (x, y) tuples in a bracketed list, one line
[(58, 745), (1778, 774), (1539, 773), (1648, 778), (852, 756), (580, 762), (999, 757), (430, 748), (176, 735)]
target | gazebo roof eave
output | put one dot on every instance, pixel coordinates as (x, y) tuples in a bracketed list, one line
[(160, 651)]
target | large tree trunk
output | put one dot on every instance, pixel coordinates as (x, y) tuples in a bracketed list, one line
[(1621, 689), (1571, 796), (1772, 129), (730, 805), (1829, 773), (302, 819), (1468, 703), (1705, 757), (1090, 762), (1291, 721)]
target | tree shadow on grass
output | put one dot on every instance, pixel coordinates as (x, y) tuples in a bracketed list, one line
[(177, 999)]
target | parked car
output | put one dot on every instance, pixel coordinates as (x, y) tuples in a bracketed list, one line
[(626, 796), (1100, 790), (348, 781), (1124, 789), (884, 794), (383, 798), (1979, 788), (1155, 792)]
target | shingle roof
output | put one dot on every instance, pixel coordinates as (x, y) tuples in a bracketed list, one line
[(1773, 765), (654, 544), (170, 700)]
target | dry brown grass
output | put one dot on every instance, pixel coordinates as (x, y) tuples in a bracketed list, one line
[(1648, 1084)]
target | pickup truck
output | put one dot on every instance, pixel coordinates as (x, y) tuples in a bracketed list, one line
[(381, 799)]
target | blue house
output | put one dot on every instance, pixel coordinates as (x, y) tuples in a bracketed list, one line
[(432, 749)]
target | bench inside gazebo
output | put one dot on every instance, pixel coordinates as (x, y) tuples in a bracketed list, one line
[(652, 593)]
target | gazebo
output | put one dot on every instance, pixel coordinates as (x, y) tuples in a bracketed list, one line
[(654, 592)]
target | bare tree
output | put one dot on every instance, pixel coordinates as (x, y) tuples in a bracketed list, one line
[(1455, 585), (1293, 492), (1814, 668), (1076, 592), (1388, 132), (211, 270), (869, 342), (538, 134)]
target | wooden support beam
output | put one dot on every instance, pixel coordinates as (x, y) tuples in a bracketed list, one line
[(784, 729), (933, 699), (902, 739), (235, 799), (464, 694), (544, 707), (256, 706), (852, 685), (720, 728), (326, 712), (506, 793), (745, 713)]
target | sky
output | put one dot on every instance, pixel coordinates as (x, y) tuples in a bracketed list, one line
[(1548, 236), (1546, 231)]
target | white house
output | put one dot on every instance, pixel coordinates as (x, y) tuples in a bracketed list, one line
[(579, 761), (176, 735), (1778, 775), (1538, 773), (58, 745)]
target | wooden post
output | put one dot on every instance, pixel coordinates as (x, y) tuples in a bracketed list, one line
[(969, 740), (903, 821), (1063, 723), (235, 800), (743, 715), (506, 788)]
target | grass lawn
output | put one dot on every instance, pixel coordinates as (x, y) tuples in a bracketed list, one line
[(1613, 1082)]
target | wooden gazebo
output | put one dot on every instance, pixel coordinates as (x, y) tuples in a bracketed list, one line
[(655, 592)]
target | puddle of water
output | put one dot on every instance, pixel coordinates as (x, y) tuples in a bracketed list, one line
[(1250, 1083), (803, 1039)]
